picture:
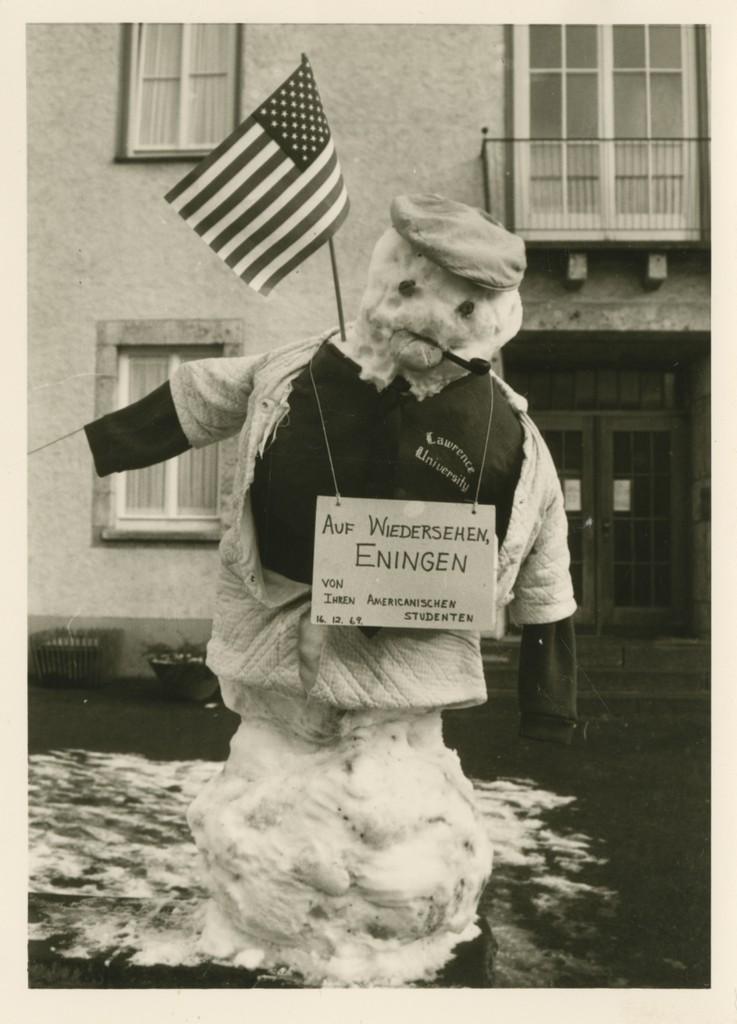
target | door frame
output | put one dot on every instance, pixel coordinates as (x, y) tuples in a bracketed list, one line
[(610, 616), (597, 611)]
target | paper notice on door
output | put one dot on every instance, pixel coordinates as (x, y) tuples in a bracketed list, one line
[(622, 496), (572, 495)]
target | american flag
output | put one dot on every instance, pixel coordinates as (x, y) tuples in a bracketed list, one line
[(271, 193)]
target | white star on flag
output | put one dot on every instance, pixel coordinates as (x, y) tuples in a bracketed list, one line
[(263, 199)]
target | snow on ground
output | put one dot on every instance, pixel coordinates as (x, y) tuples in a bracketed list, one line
[(113, 825)]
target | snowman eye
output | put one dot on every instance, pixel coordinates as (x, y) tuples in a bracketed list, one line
[(466, 309), (406, 287)]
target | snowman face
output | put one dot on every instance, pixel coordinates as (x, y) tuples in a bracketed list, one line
[(413, 310)]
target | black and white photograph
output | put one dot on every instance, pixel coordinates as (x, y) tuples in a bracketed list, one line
[(368, 459)]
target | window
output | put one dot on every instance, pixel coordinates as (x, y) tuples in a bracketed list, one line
[(181, 492), (182, 86), (186, 498), (605, 132)]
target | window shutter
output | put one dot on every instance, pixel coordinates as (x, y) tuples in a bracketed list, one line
[(183, 87), (210, 85), (197, 476), (161, 68), (145, 489), (197, 484), (186, 487)]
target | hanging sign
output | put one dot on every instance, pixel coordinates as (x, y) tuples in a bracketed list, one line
[(409, 564)]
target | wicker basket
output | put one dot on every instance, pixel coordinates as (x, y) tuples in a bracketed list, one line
[(66, 657)]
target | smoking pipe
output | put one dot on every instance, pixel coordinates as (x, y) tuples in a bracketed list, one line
[(479, 366)]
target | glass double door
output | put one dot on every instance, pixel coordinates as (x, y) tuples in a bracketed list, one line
[(624, 483)]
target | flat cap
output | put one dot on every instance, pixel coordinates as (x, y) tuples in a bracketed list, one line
[(465, 240)]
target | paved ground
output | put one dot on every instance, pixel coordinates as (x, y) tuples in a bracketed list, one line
[(601, 870)]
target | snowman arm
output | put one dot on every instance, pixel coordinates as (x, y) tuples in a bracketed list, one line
[(143, 433), (206, 400), (548, 681)]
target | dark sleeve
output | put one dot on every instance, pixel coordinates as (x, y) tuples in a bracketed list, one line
[(548, 681), (141, 434)]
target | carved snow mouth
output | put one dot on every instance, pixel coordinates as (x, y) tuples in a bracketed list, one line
[(415, 335), (414, 350), (407, 334)]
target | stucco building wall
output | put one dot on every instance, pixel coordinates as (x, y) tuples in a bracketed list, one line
[(614, 298), (103, 245)]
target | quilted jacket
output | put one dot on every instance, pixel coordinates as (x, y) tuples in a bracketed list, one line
[(261, 629)]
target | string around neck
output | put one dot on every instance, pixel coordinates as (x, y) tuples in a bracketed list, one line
[(486, 444), (325, 435)]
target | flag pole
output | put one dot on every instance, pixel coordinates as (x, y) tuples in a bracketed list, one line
[(336, 282)]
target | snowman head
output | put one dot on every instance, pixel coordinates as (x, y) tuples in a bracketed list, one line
[(443, 278)]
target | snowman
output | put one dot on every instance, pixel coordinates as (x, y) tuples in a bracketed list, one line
[(341, 839)]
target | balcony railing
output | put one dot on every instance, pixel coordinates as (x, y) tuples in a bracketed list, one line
[(552, 190)]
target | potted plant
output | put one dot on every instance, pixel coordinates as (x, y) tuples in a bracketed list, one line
[(181, 671)]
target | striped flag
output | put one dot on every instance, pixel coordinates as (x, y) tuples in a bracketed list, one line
[(271, 193)]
